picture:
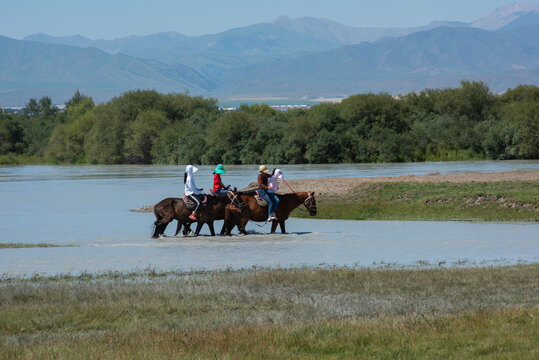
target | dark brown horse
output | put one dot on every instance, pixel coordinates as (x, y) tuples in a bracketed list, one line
[(255, 212), (215, 210), (170, 209), (174, 208)]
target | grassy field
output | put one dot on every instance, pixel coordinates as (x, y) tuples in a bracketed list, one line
[(494, 201), (274, 314)]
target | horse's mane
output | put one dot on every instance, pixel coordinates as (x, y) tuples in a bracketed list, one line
[(287, 195), (222, 198), (293, 195)]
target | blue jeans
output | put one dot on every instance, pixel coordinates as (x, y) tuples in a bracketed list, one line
[(221, 191), (271, 198)]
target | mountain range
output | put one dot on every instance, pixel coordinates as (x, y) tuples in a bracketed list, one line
[(287, 57)]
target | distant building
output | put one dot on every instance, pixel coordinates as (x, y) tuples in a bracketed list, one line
[(285, 108), (19, 109), (12, 109)]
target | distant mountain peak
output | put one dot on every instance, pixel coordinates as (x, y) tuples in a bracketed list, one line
[(505, 15), (72, 40), (285, 20), (281, 19)]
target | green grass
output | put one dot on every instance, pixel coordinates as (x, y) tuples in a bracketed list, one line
[(20, 159), (29, 245), (496, 201), (273, 314)]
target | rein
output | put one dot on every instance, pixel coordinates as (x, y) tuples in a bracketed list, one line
[(233, 197), (304, 202)]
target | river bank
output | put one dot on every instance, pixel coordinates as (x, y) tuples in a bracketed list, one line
[(502, 196), (282, 313)]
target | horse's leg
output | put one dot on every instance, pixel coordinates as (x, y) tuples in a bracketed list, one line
[(224, 229), (210, 225), (156, 226), (160, 226), (273, 226), (281, 223), (156, 230), (186, 229), (242, 225), (178, 228), (199, 226), (229, 222)]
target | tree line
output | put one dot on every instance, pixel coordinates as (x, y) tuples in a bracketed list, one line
[(146, 127)]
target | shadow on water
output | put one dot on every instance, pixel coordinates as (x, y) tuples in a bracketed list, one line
[(217, 237)]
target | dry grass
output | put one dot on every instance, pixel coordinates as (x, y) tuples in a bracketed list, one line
[(293, 313)]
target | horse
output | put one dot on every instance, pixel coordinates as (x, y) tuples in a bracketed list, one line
[(166, 211), (215, 210), (255, 212), (169, 209)]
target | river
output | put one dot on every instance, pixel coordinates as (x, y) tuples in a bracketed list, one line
[(88, 206)]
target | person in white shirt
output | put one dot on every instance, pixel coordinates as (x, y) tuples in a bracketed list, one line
[(272, 182), (191, 190)]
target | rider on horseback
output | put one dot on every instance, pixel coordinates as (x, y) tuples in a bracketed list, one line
[(267, 192), (191, 190), (218, 187)]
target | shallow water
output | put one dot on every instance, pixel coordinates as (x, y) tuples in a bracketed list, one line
[(88, 206)]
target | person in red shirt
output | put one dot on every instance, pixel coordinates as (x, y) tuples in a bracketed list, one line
[(218, 186)]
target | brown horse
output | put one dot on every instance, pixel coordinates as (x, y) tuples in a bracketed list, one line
[(255, 212), (174, 208), (215, 210), (166, 211)]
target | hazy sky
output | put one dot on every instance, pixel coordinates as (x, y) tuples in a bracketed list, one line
[(114, 18)]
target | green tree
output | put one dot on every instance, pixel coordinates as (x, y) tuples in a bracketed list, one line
[(229, 135), (11, 135), (105, 141), (142, 135)]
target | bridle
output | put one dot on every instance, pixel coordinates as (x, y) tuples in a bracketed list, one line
[(236, 200), (308, 202)]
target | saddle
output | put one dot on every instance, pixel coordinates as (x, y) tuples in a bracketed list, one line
[(191, 205), (261, 202)]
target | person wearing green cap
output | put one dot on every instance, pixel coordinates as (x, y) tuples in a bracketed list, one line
[(218, 186)]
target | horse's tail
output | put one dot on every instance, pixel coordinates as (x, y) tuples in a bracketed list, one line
[(156, 211), (160, 206)]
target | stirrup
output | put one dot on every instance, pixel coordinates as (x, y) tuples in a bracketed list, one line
[(192, 217)]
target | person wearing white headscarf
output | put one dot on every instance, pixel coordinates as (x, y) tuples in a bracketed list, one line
[(191, 189), (273, 183)]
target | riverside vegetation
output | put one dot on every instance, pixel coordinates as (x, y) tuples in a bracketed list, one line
[(492, 201), (268, 314), (145, 127)]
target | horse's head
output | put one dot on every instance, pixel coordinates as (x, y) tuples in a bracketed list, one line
[(310, 203), (236, 200)]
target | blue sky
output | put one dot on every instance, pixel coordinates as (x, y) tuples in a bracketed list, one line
[(113, 18)]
